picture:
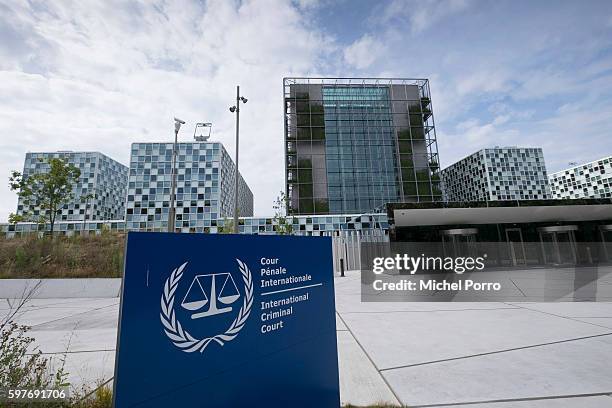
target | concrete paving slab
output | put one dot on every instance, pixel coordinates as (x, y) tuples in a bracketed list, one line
[(99, 318), (398, 339), (348, 300), (340, 326), (33, 317), (74, 302), (354, 305), (600, 401), (61, 341), (352, 302), (36, 313), (347, 285), (59, 302), (570, 368), (403, 333), (61, 288), (600, 321), (576, 309), (601, 292), (87, 369), (360, 383)]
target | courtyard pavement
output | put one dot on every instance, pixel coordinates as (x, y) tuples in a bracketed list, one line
[(500, 355)]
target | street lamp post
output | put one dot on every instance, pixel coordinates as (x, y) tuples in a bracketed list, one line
[(172, 210), (236, 108)]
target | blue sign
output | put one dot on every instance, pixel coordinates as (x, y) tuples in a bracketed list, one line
[(227, 321)]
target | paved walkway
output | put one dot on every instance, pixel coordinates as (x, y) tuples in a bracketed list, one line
[(84, 328), (420, 354), (474, 354)]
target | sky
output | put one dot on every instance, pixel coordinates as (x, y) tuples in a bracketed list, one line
[(100, 75)]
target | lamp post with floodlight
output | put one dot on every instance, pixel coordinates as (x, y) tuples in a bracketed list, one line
[(172, 210), (202, 131), (236, 109)]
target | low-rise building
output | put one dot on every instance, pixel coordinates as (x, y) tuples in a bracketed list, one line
[(588, 180), (205, 180), (102, 178), (500, 173), (315, 225)]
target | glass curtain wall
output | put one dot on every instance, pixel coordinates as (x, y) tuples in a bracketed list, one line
[(360, 148), (353, 145)]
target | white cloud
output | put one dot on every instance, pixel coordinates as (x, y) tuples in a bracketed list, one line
[(114, 73), (421, 14), (579, 134), (482, 81), (308, 4), (562, 136), (100, 75), (471, 135), (364, 52)]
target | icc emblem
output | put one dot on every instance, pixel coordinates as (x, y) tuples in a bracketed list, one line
[(208, 295), (220, 288)]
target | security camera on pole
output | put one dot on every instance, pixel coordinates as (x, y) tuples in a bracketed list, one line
[(236, 108), (171, 210)]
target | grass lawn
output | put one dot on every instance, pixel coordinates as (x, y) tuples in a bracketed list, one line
[(90, 256)]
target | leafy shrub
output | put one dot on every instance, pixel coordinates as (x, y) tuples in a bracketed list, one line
[(20, 370)]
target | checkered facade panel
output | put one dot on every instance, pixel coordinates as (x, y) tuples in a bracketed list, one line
[(204, 186), (589, 180), (101, 177), (508, 173), (316, 224), (301, 225)]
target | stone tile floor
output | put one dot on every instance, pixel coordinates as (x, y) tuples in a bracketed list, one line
[(493, 354)]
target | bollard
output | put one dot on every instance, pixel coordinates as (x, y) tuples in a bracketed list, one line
[(589, 256), (341, 267)]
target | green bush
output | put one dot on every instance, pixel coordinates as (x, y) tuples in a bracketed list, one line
[(22, 258), (24, 368), (101, 397)]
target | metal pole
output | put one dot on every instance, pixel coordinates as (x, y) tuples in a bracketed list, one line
[(236, 229), (171, 210)]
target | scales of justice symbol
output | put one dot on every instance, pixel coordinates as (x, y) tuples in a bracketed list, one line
[(204, 290)]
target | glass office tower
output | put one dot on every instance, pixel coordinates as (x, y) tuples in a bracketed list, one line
[(204, 187), (353, 145)]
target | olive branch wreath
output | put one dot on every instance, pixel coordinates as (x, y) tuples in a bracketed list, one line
[(181, 337)]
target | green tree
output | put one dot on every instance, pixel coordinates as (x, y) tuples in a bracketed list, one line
[(48, 190), (227, 227), (15, 218), (283, 224)]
